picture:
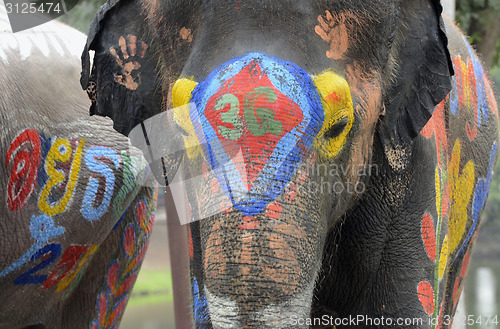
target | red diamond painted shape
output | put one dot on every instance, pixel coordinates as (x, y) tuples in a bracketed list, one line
[(250, 115)]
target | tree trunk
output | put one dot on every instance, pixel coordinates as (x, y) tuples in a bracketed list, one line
[(449, 8), (485, 27)]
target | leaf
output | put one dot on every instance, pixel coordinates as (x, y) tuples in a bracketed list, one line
[(429, 236), (443, 258), (426, 296), (438, 191)]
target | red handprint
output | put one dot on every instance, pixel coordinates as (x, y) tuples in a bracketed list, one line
[(137, 50)]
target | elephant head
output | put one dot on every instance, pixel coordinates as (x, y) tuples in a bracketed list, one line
[(280, 108)]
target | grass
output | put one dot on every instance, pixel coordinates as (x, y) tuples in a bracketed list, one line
[(152, 287)]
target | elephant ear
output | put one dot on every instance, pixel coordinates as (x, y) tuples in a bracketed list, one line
[(422, 76), (123, 83)]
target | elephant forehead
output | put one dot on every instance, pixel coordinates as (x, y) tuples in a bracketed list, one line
[(259, 116)]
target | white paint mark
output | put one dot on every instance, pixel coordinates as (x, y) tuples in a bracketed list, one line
[(223, 311), (282, 315)]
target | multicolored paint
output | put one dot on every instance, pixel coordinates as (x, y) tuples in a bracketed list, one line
[(54, 167), (51, 168), (137, 49), (460, 193), (123, 271), (337, 104), (73, 262), (132, 168), (67, 273), (43, 229), (257, 115), (472, 90)]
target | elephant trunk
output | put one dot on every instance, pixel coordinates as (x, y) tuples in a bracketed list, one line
[(259, 271), (250, 127)]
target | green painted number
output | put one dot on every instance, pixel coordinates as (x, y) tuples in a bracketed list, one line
[(261, 120), (231, 116)]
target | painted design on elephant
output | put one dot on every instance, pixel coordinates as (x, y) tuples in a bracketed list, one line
[(472, 90), (453, 195), (129, 63), (199, 302), (144, 219), (437, 247), (101, 185), (436, 126), (53, 167), (119, 281), (73, 261), (62, 166), (334, 29), (259, 116), (111, 302), (186, 34), (123, 198), (481, 192), (124, 269), (455, 186), (68, 271), (42, 229), (181, 96), (461, 187), (339, 112), (459, 280), (24, 155)]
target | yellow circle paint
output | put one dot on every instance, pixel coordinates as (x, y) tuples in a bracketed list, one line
[(337, 104)]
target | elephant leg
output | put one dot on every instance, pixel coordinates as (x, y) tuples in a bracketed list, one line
[(103, 292)]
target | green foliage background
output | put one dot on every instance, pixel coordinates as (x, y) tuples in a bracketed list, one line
[(82, 14)]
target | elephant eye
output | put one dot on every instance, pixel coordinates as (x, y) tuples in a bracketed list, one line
[(337, 128)]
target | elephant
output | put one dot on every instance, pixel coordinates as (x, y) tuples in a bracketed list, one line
[(337, 155), (77, 202)]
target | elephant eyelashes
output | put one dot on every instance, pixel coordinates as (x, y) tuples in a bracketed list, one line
[(337, 128)]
